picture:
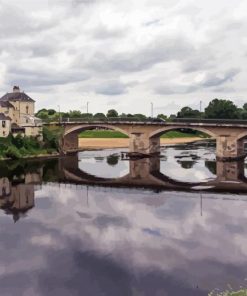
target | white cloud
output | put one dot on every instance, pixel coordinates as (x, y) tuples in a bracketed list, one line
[(128, 53)]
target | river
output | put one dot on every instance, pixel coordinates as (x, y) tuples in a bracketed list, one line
[(97, 224)]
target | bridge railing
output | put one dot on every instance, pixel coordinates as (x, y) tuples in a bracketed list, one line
[(209, 120), (107, 119)]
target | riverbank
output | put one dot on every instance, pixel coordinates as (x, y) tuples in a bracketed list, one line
[(106, 143)]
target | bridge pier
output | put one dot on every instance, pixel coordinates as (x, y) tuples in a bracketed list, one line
[(143, 144), (70, 143), (229, 148), (141, 168), (230, 170)]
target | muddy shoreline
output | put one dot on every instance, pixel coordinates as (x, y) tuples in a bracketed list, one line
[(106, 143)]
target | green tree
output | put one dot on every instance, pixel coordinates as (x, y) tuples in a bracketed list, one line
[(221, 109), (42, 114), (100, 116), (162, 116), (112, 113), (74, 114), (140, 116), (187, 112), (112, 159), (51, 112)]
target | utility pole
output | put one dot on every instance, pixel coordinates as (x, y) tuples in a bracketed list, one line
[(152, 110), (200, 109), (87, 107), (59, 114)]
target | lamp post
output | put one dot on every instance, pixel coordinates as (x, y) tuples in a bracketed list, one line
[(152, 110)]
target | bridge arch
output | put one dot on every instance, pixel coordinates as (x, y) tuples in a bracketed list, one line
[(242, 136), (79, 128), (69, 140), (159, 132)]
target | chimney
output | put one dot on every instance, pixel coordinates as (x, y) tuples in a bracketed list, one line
[(16, 89)]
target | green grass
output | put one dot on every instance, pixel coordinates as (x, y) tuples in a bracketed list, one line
[(242, 292), (116, 134), (102, 134)]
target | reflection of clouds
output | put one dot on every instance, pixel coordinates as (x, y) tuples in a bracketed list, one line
[(170, 238), (125, 242), (88, 160), (105, 221), (198, 173)]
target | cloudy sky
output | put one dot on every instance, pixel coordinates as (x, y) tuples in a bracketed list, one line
[(124, 54)]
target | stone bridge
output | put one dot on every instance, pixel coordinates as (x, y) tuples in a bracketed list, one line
[(144, 137), (146, 173)]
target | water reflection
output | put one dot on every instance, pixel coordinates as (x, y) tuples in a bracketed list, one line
[(99, 234), (19, 179)]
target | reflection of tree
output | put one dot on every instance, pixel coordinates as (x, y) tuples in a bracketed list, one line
[(112, 159), (211, 165), (186, 164)]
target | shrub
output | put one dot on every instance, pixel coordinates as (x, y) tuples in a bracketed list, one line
[(13, 152)]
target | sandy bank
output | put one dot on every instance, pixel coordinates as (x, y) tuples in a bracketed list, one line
[(104, 143)]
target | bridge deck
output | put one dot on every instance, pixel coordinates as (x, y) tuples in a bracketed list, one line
[(185, 124)]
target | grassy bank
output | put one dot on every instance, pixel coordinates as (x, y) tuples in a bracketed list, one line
[(116, 134), (22, 147)]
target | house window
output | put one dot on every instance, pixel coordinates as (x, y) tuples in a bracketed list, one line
[(27, 109), (3, 123), (4, 133), (26, 120)]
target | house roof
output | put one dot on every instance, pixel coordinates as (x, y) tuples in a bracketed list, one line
[(4, 117), (6, 104), (16, 96)]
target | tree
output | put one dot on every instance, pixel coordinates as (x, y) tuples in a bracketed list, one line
[(100, 116), (112, 113), (42, 114), (162, 116), (51, 111), (187, 112), (140, 116), (112, 159), (74, 114), (221, 109)]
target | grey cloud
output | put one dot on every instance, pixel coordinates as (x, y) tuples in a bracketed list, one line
[(169, 89), (211, 80), (105, 33), (215, 80), (17, 22), (161, 50), (38, 78), (111, 88), (152, 22)]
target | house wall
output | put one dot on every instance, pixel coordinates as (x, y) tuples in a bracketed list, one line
[(7, 111), (21, 109), (5, 130), (34, 131)]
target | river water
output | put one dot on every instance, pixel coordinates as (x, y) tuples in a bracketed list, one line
[(96, 224)]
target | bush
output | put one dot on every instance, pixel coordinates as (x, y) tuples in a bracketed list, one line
[(18, 141), (13, 152)]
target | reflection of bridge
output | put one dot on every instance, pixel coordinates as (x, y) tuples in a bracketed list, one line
[(146, 173), (145, 136)]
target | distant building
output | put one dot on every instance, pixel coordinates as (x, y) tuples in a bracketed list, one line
[(17, 115), (5, 125)]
